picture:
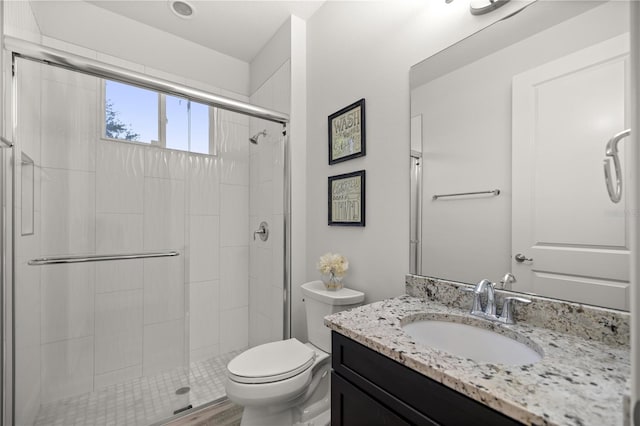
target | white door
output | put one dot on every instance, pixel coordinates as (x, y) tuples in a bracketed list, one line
[(564, 112)]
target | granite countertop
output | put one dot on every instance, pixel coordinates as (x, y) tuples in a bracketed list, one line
[(577, 382)]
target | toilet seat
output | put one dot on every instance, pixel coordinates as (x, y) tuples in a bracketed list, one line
[(271, 362)]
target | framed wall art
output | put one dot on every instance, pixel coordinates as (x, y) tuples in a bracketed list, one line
[(347, 133), (347, 199)]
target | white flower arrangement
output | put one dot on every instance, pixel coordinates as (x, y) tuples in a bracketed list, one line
[(333, 264)]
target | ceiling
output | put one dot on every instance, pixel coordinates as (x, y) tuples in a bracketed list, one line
[(234, 27)]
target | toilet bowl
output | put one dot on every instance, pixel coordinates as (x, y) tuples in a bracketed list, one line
[(276, 381), (288, 382)]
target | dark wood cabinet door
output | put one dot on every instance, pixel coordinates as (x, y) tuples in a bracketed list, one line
[(352, 407)]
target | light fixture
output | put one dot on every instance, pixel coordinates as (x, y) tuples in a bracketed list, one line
[(480, 7), (181, 9)]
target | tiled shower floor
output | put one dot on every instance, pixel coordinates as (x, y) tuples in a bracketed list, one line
[(141, 401)]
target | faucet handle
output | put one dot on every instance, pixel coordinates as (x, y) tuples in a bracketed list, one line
[(476, 307), (506, 315), (263, 231)]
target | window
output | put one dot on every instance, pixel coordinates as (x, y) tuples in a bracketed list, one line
[(200, 139), (132, 114)]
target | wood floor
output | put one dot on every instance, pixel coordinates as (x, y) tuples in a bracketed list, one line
[(225, 413)]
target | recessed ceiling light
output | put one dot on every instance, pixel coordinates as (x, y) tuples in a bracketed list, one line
[(182, 8)]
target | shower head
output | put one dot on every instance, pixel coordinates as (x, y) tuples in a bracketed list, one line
[(254, 139)]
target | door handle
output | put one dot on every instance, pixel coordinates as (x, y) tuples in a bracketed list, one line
[(521, 258), (612, 151)]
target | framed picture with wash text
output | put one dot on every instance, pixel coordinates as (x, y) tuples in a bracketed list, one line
[(346, 200), (347, 133)]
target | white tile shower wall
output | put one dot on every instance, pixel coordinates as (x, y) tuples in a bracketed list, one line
[(204, 295), (164, 205), (204, 185), (230, 311), (119, 233), (234, 222), (65, 146), (163, 289), (118, 276), (120, 178), (119, 198), (69, 105), (68, 205), (67, 368), (120, 320), (233, 142), (118, 330), (163, 346), (266, 176), (234, 277), (204, 318), (204, 261), (234, 325), (67, 301)]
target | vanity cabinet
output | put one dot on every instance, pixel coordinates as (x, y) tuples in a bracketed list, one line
[(368, 388)]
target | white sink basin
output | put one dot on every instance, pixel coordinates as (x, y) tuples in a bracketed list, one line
[(475, 343)]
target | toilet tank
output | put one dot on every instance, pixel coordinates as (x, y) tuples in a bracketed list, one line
[(319, 303)]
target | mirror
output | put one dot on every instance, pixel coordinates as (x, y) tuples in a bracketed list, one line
[(519, 115)]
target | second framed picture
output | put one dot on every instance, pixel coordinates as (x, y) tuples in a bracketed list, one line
[(347, 133), (346, 199)]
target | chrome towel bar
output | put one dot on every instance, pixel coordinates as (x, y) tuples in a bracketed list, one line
[(99, 257), (494, 192)]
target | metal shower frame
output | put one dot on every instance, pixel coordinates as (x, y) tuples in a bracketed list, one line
[(58, 58)]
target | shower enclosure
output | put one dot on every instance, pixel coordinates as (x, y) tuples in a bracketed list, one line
[(133, 269)]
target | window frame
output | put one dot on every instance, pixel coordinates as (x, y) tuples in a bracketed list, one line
[(162, 123)]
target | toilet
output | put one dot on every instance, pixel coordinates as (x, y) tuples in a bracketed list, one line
[(288, 382)]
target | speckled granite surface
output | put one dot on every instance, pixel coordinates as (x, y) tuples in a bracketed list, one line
[(590, 322), (579, 381)]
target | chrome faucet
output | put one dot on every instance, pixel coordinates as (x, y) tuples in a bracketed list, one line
[(490, 309)]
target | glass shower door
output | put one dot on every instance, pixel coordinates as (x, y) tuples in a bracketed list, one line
[(135, 339), (96, 342)]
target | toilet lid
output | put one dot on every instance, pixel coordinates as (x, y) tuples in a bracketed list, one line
[(271, 362)]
